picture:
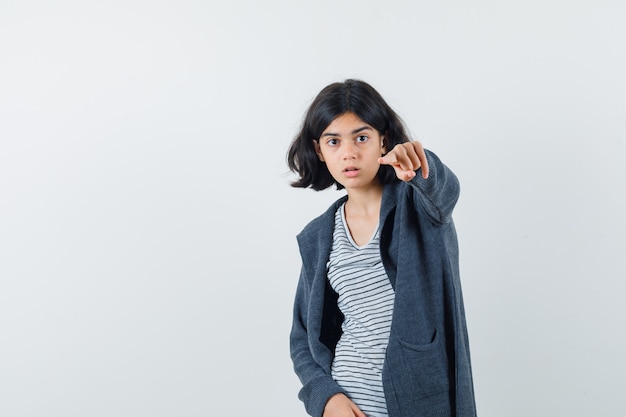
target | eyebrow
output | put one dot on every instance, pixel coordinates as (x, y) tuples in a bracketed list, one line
[(354, 132)]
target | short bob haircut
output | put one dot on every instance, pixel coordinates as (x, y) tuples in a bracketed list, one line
[(334, 100)]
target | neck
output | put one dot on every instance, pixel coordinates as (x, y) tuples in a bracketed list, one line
[(365, 201)]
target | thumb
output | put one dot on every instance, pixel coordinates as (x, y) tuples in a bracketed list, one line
[(358, 412), (388, 159)]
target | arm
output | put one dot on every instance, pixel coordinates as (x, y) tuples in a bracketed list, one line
[(318, 385), (437, 187)]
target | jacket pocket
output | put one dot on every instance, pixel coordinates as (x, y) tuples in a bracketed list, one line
[(426, 366)]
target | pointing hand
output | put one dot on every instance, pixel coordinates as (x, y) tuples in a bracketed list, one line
[(405, 159)]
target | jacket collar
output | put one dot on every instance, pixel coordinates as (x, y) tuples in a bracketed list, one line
[(319, 231)]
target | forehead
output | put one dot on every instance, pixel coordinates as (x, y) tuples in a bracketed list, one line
[(345, 124)]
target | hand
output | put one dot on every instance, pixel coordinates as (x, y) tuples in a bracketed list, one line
[(406, 158), (341, 406)]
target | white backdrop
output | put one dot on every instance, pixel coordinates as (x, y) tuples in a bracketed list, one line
[(147, 229)]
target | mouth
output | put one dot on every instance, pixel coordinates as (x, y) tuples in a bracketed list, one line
[(350, 172)]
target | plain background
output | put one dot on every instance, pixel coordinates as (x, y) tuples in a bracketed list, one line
[(147, 227)]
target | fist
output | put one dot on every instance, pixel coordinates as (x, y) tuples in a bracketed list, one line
[(405, 159)]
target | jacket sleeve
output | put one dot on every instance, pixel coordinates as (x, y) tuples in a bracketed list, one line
[(317, 383), (439, 192)]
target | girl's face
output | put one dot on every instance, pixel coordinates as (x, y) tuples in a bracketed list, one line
[(351, 148)]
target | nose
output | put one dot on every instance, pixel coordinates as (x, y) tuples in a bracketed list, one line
[(350, 150)]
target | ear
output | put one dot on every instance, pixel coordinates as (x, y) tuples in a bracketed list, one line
[(383, 144), (318, 151)]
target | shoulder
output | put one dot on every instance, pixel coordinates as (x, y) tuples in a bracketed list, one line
[(320, 226)]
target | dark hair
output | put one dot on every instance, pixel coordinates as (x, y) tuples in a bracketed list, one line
[(334, 100)]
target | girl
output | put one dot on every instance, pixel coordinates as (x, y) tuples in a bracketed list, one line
[(379, 326)]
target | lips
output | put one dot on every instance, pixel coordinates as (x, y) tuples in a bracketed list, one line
[(351, 172)]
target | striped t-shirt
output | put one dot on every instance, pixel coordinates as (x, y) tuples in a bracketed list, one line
[(366, 298)]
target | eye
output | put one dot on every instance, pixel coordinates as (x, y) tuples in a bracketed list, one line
[(361, 138), (332, 142)]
